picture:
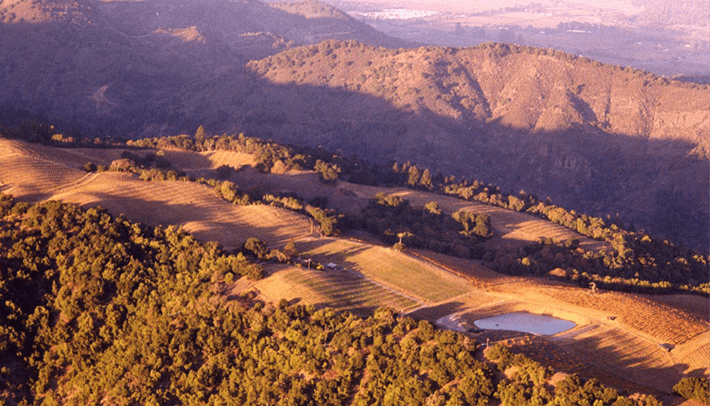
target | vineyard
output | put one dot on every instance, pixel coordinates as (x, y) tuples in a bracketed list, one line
[(617, 350), (32, 174), (194, 207), (664, 323), (393, 268), (618, 334), (77, 157), (478, 275), (342, 290), (697, 306), (698, 361)]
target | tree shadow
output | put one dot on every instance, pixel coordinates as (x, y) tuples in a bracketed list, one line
[(619, 357)]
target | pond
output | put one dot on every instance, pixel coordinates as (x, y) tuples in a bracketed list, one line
[(525, 323)]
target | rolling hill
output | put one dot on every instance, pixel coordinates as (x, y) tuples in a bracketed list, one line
[(114, 67), (617, 335), (596, 138)]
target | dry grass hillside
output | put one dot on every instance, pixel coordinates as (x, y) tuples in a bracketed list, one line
[(596, 138), (523, 88), (27, 171), (125, 67), (33, 172), (510, 228)]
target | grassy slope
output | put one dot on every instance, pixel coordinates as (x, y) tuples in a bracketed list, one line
[(393, 268), (509, 228)]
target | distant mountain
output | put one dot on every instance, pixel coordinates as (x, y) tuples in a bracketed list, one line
[(116, 66), (594, 137), (597, 138)]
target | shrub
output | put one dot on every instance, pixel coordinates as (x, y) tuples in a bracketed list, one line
[(693, 388)]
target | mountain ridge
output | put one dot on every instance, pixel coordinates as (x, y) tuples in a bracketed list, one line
[(597, 138), (565, 126)]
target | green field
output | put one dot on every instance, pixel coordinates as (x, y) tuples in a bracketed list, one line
[(395, 269), (346, 290)]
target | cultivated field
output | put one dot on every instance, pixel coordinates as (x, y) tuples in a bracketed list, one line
[(622, 352), (342, 290), (194, 207), (697, 362), (660, 322), (478, 275), (395, 269), (618, 335), (510, 228), (28, 173)]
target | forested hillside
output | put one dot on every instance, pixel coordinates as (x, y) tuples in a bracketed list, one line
[(98, 309)]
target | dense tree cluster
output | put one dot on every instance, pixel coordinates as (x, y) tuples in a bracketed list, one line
[(98, 304), (393, 219), (328, 172), (528, 385), (267, 154), (96, 309), (638, 261), (652, 267), (694, 388)]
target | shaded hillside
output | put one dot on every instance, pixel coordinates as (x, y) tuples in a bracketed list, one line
[(116, 67), (594, 137)]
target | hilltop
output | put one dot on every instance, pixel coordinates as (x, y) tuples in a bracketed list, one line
[(114, 67)]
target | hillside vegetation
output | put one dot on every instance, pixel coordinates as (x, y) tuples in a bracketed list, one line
[(119, 313), (597, 138), (431, 286), (627, 261)]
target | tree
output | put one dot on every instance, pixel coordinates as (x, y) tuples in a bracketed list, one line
[(290, 249), (693, 388), (200, 134), (90, 167), (256, 247), (413, 176), (433, 208), (327, 222), (328, 172), (425, 180), (404, 234)]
